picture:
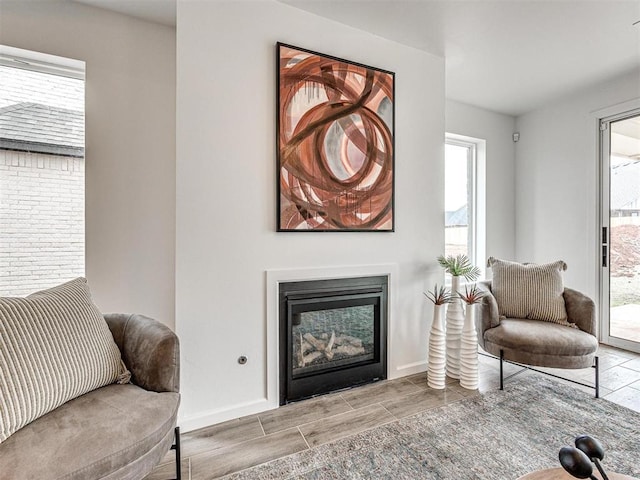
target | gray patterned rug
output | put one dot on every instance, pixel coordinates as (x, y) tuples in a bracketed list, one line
[(493, 436)]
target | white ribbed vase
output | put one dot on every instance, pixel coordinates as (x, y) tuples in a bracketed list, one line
[(469, 350), (436, 367), (455, 322)]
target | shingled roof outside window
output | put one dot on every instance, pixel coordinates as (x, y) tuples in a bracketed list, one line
[(34, 127)]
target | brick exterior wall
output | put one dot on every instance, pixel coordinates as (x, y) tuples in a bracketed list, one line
[(41, 221)]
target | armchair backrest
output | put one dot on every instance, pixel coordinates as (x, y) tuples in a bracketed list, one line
[(150, 350), (489, 316), (581, 310)]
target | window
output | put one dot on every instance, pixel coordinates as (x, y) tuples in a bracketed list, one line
[(464, 198), (41, 170)]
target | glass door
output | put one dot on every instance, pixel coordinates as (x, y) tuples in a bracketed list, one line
[(620, 140)]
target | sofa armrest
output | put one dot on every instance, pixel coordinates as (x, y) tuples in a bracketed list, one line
[(581, 310), (150, 350), (489, 316)]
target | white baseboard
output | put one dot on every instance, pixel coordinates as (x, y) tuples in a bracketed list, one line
[(212, 417), (408, 369)]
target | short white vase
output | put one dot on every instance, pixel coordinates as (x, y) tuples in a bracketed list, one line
[(436, 367), (455, 322), (469, 350)]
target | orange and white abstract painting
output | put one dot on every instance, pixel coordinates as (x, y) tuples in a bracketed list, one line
[(335, 144)]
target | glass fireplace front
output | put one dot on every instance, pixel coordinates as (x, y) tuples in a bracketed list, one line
[(333, 335)]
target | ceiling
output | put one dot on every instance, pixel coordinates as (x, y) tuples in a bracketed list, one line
[(625, 139), (157, 11), (509, 56)]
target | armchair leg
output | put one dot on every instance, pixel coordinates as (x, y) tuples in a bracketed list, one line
[(501, 369), (176, 447), (595, 366)]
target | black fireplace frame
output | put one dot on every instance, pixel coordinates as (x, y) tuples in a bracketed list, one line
[(304, 296)]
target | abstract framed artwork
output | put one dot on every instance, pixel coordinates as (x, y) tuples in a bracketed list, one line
[(335, 144)]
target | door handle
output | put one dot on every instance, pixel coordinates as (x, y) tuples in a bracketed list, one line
[(605, 241)]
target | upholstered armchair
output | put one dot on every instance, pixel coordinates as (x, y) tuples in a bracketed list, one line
[(532, 342), (115, 432)]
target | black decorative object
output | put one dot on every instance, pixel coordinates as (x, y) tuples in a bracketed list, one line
[(576, 463), (593, 449)]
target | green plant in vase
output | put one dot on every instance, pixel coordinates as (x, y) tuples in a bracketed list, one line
[(457, 266)]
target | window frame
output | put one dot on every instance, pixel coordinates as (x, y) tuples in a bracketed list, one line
[(476, 195), (60, 166), (42, 62)]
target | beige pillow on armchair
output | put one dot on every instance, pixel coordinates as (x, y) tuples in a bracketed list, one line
[(529, 290)]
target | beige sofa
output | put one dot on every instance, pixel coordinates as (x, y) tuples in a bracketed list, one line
[(117, 432)]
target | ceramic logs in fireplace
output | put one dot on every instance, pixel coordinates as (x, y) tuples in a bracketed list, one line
[(333, 335)]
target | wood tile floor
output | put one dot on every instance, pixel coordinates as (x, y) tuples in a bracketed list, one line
[(231, 446)]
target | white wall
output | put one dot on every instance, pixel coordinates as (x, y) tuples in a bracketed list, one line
[(226, 195), (496, 129), (556, 180), (130, 144)]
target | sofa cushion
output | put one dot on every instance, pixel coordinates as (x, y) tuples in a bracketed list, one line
[(54, 346), (93, 435), (529, 290)]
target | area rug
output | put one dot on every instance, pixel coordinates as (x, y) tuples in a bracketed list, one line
[(498, 435)]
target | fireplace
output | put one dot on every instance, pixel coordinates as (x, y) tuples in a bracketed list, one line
[(333, 335)]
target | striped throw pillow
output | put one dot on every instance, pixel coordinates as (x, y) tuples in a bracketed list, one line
[(529, 290), (54, 346)]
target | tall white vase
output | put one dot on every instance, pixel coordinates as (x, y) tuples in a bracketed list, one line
[(469, 350), (455, 322), (436, 367)]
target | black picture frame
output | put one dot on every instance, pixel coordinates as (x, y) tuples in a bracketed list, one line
[(335, 141)]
